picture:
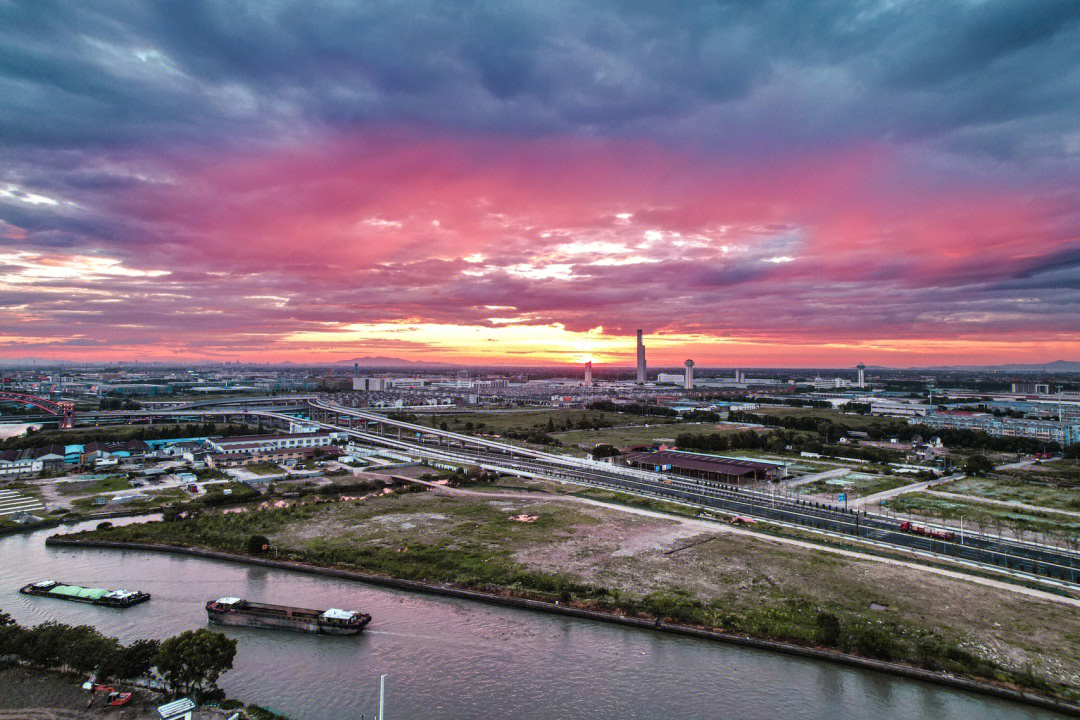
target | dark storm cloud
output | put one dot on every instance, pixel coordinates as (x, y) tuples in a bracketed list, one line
[(76, 73)]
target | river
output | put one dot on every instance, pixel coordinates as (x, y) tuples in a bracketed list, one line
[(455, 659), (15, 429)]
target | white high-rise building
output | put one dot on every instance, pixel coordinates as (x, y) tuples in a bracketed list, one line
[(588, 374), (688, 384), (862, 375)]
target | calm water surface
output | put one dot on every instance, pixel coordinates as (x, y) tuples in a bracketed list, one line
[(15, 429), (457, 659)]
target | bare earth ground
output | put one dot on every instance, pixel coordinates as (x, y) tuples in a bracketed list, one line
[(28, 694), (35, 695), (749, 576)]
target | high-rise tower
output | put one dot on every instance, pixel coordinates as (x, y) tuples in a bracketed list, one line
[(588, 374), (688, 383), (640, 360), (862, 375)]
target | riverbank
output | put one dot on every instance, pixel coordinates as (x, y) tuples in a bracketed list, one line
[(655, 624), (32, 694)]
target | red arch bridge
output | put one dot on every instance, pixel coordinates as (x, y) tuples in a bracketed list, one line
[(63, 409)]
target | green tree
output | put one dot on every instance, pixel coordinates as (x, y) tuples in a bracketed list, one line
[(194, 660), (258, 544), (42, 644), (131, 661), (604, 451), (84, 649), (11, 635), (978, 465)]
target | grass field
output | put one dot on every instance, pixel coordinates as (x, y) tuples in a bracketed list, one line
[(624, 436), (985, 516), (607, 558), (154, 498), (1022, 486), (523, 421), (265, 468), (93, 487), (849, 419), (854, 485)]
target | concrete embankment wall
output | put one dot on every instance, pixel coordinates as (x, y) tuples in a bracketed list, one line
[(814, 653)]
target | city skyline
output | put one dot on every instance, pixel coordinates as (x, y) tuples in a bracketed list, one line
[(777, 187)]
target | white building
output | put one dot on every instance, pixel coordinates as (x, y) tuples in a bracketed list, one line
[(898, 408), (370, 384), (252, 443)]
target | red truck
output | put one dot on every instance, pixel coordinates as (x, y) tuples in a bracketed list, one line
[(927, 531)]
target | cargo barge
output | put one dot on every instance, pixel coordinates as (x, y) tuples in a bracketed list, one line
[(235, 611), (78, 593)]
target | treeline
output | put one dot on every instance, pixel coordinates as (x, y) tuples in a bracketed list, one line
[(190, 662), (745, 440), (829, 430), (41, 438), (115, 403), (978, 440), (779, 440), (633, 409)]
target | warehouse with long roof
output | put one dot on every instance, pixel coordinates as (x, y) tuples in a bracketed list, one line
[(730, 471)]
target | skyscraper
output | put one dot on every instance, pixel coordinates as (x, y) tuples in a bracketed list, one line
[(588, 374), (688, 383), (862, 375), (640, 360)]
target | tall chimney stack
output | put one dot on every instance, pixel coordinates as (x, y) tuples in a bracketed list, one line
[(640, 360)]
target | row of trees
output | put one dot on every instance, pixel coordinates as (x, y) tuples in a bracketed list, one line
[(830, 430), (119, 433), (633, 409), (190, 662)]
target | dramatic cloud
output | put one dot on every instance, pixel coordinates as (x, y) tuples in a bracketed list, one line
[(774, 183)]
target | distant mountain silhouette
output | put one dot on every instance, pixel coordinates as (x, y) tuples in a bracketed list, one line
[(388, 362), (1057, 366)]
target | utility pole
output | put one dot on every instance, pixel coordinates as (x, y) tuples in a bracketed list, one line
[(382, 695)]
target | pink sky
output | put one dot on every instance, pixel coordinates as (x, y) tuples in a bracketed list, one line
[(499, 250)]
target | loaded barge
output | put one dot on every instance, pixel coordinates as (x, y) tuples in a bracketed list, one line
[(235, 611), (77, 593)]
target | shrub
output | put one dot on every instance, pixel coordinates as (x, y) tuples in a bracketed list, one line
[(828, 629), (875, 642), (258, 544)]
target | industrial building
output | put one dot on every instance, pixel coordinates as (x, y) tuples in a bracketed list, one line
[(898, 407), (370, 384), (1030, 388), (255, 457), (265, 443), (730, 471)]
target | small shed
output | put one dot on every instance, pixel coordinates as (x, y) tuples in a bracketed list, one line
[(177, 709)]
